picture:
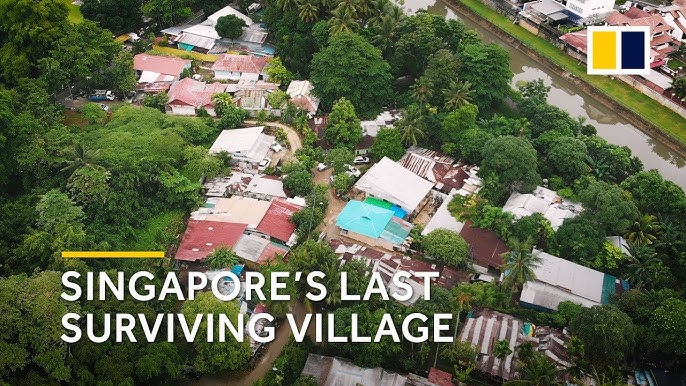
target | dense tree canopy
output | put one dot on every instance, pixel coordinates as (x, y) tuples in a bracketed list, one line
[(446, 246), (388, 143), (352, 68), (343, 128), (230, 26), (115, 15), (513, 161)]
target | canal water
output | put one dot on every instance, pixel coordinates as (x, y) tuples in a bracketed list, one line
[(563, 94)]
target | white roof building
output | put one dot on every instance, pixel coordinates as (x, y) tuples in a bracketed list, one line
[(226, 11), (388, 180), (443, 219), (236, 209), (385, 119), (300, 92), (559, 280), (332, 371), (244, 145), (544, 201)]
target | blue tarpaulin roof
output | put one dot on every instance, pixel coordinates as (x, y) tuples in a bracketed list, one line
[(365, 219)]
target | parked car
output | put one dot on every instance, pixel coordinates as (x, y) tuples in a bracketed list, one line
[(482, 278), (276, 147), (104, 107), (264, 164), (322, 166), (361, 160), (353, 171), (101, 95)]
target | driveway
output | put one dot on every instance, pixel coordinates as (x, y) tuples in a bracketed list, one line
[(294, 141)]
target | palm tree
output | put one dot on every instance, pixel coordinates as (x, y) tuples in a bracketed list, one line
[(537, 370), (519, 265), (501, 349), (457, 94), (285, 5), (342, 20), (222, 102), (222, 258), (80, 157), (309, 11), (645, 269), (421, 93), (386, 34), (643, 230), (412, 127)]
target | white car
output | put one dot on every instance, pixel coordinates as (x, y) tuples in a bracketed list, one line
[(353, 171), (322, 166), (276, 147), (481, 278), (361, 160), (264, 164), (104, 107)]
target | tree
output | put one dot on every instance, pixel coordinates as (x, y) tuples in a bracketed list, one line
[(655, 195), (457, 122), (278, 73), (113, 15), (298, 180), (222, 257), (501, 350), (535, 227), (486, 68), (645, 269), (440, 74), (338, 69), (342, 182), (668, 325), (156, 101), (610, 206), (93, 113), (446, 246), (457, 94), (537, 370), (277, 99), (607, 334), (167, 12), (121, 73), (388, 143), (513, 160), (578, 239), (343, 128), (30, 309), (338, 158), (306, 380), (214, 357), (89, 185), (519, 266), (230, 26), (567, 157), (232, 117), (679, 87), (643, 231), (411, 126), (308, 11)]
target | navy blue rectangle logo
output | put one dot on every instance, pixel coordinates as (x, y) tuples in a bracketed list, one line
[(633, 50)]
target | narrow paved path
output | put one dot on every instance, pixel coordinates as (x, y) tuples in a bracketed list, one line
[(294, 140)]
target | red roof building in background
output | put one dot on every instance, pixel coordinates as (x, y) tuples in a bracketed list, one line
[(235, 67), (203, 237), (485, 246), (187, 95), (277, 221), (164, 65), (440, 377)]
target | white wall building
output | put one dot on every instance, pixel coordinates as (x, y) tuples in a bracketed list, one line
[(588, 8), (249, 145)]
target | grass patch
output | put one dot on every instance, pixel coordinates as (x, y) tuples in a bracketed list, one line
[(183, 54), (74, 16), (657, 115), (674, 64), (72, 117), (160, 231)]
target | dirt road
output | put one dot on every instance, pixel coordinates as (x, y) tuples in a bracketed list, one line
[(294, 141)]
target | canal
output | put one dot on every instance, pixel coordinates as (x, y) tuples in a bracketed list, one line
[(563, 94)]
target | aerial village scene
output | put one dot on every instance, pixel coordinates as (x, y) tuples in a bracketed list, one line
[(368, 137)]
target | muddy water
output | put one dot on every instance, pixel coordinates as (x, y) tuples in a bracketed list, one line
[(612, 127)]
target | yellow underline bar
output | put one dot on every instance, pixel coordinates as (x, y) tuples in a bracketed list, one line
[(113, 254)]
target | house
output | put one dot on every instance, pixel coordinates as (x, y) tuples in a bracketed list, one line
[(388, 264), (485, 327), (257, 250), (300, 92), (235, 209), (485, 247), (247, 146), (386, 119), (277, 221), (237, 67), (443, 219), (559, 280), (675, 16), (587, 9), (202, 237), (544, 11), (447, 174), (389, 181), (331, 371), (545, 201), (254, 186), (373, 225), (157, 73), (189, 95), (249, 85), (203, 37), (661, 41), (255, 101)]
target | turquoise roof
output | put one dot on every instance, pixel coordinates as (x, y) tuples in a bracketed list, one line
[(365, 219)]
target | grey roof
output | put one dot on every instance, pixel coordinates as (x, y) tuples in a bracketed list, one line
[(250, 247)]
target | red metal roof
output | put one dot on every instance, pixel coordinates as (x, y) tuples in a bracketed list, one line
[(440, 377), (160, 64), (485, 246), (240, 63), (277, 221), (190, 92), (578, 40), (269, 253), (202, 237)]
